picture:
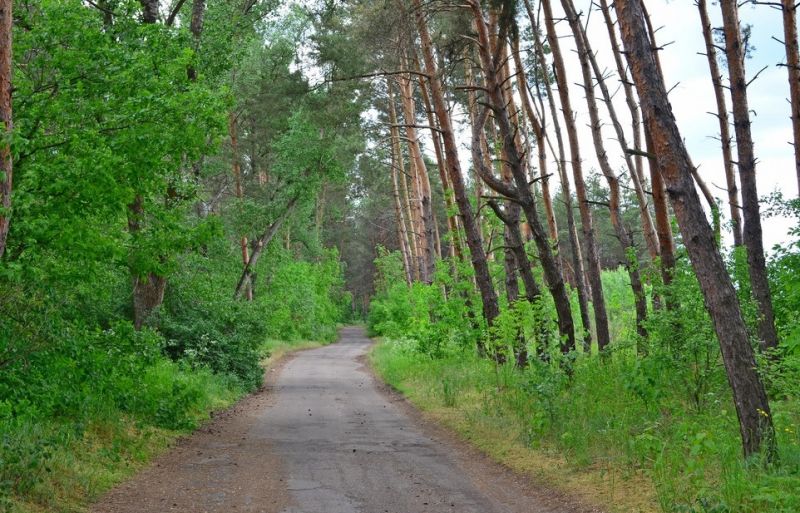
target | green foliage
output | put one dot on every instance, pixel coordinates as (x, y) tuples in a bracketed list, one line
[(626, 414), (121, 171), (661, 407), (438, 324)]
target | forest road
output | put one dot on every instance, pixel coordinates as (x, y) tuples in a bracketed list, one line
[(324, 436)]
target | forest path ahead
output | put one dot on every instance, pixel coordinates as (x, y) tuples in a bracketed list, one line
[(324, 436)]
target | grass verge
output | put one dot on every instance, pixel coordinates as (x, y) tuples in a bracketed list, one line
[(594, 439), (61, 465)]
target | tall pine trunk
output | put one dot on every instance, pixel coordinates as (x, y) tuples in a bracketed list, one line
[(541, 148), (749, 396), (735, 51), (452, 220), (584, 50), (397, 168), (637, 169), (566, 194), (522, 191), (724, 123), (587, 224), (421, 201), (789, 8), (474, 241)]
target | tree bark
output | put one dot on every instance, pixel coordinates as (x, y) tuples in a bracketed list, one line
[(472, 109), (474, 241), (521, 193), (637, 170), (452, 220), (236, 168), (750, 398), (6, 120), (789, 8), (666, 243), (258, 247), (149, 10), (751, 234), (196, 28), (585, 55), (532, 291), (421, 203), (724, 123), (587, 224), (541, 148), (402, 234), (566, 194)]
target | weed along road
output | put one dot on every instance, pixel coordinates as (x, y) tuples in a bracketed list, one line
[(324, 437)]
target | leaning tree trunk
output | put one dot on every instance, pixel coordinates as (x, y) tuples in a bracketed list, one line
[(258, 248), (584, 50), (6, 120), (724, 124), (522, 191), (566, 194), (472, 108), (734, 49), (532, 291), (587, 224), (474, 241), (789, 8), (749, 396)]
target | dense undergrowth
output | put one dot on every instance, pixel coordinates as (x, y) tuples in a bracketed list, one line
[(657, 411), (86, 399)]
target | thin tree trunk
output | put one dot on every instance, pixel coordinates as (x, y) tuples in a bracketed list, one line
[(532, 291), (566, 194), (749, 396), (521, 193), (402, 234), (236, 168), (452, 220), (637, 170), (789, 8), (666, 242), (6, 120), (409, 212), (751, 234), (196, 28), (584, 50), (472, 108), (474, 241), (258, 248), (587, 224), (541, 148), (420, 185), (724, 123)]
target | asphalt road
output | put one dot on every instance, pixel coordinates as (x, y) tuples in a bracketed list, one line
[(324, 437)]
